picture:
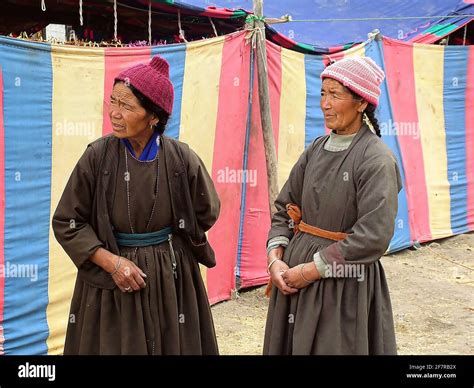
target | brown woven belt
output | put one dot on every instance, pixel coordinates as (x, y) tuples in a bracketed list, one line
[(300, 226)]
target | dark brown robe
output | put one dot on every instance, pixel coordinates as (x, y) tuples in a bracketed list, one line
[(353, 191), (169, 316)]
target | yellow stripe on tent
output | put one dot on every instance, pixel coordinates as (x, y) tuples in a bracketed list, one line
[(291, 135), (356, 51), (199, 102), (428, 63), (78, 89)]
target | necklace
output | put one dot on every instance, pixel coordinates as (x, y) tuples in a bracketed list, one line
[(127, 183)]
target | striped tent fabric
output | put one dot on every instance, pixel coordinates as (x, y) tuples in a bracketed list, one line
[(53, 102), (439, 28), (427, 32), (426, 117), (286, 42)]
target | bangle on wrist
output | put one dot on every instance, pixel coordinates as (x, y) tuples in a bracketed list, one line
[(117, 266), (271, 263), (302, 276)]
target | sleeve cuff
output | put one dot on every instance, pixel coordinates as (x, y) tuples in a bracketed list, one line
[(321, 265), (276, 242)]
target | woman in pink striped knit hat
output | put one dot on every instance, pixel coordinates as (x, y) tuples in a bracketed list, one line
[(335, 219), (133, 218)]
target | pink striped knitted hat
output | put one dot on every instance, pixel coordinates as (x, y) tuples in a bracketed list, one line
[(360, 74), (153, 80)]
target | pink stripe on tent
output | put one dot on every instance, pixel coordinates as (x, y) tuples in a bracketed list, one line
[(399, 69), (2, 212), (332, 57), (257, 210), (227, 162), (274, 86), (116, 60), (470, 138)]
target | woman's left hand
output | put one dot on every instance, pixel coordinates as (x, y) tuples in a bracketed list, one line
[(295, 277)]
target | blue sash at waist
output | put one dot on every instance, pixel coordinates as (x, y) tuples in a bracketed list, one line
[(143, 239)]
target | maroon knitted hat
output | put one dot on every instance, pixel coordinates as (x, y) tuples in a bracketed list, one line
[(153, 80)]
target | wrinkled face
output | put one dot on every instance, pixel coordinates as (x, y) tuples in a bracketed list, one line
[(341, 110), (129, 119)]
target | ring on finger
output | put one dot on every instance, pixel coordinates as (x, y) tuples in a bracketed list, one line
[(128, 289)]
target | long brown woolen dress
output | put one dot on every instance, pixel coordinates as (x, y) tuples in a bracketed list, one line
[(170, 316), (353, 191)]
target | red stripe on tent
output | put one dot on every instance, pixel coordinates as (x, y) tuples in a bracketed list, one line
[(257, 213), (399, 69), (328, 58), (470, 138), (433, 37), (227, 163), (115, 61), (274, 86), (2, 212)]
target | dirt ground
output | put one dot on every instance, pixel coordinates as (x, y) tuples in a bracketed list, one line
[(432, 291)]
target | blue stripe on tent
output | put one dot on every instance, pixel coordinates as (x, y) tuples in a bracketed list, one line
[(28, 122), (176, 56), (314, 124), (243, 200), (454, 96), (401, 238)]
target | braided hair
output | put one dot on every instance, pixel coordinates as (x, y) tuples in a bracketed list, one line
[(368, 114)]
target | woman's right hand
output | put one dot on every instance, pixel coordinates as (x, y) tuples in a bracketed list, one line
[(128, 277), (277, 269)]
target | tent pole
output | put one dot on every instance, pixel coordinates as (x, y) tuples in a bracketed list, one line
[(265, 112)]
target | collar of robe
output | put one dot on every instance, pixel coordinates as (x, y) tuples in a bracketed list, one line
[(150, 150)]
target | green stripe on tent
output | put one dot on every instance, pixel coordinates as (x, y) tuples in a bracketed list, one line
[(441, 29), (238, 13)]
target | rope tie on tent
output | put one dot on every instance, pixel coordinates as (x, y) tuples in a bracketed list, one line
[(115, 20), (81, 18), (149, 22), (250, 19), (43, 5), (374, 35), (440, 255), (213, 26), (181, 32), (255, 33), (253, 18), (465, 32)]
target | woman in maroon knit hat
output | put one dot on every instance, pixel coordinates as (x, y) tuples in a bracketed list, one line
[(133, 218), (335, 219)]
